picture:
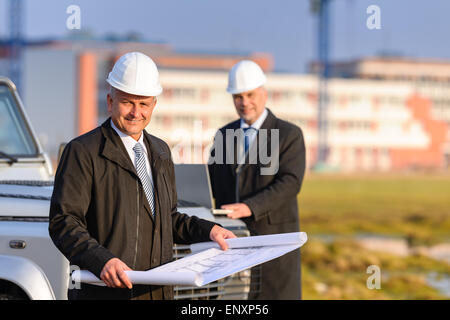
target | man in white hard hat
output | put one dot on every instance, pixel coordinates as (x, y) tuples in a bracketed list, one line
[(114, 204), (265, 200)]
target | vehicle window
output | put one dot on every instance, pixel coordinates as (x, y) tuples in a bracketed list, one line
[(15, 138)]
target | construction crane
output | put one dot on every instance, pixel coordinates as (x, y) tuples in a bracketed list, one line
[(321, 9), (15, 42)]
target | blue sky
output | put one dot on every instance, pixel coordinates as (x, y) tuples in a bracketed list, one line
[(284, 28)]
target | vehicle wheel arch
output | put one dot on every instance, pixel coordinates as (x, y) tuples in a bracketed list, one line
[(27, 276), (10, 290)]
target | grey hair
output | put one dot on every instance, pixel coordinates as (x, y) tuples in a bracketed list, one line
[(112, 91)]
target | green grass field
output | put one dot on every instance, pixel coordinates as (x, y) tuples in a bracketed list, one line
[(413, 207), (417, 207)]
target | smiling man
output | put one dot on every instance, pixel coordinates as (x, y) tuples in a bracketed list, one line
[(114, 202), (267, 203), (130, 113)]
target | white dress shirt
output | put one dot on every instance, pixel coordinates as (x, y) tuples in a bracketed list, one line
[(129, 144)]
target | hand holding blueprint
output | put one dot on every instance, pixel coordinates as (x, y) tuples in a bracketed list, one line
[(208, 263)]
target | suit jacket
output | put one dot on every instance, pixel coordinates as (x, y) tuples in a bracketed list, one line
[(272, 198), (99, 210)]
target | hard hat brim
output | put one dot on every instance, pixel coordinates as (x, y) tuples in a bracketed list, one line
[(241, 90), (145, 93)]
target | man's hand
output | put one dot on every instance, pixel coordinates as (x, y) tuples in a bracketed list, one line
[(114, 276), (219, 234), (240, 210)]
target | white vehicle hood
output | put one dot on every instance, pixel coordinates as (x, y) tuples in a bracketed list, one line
[(24, 201)]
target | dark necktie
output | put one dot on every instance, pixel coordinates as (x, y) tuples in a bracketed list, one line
[(247, 137)]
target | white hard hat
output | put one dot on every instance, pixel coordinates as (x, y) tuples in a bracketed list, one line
[(244, 76), (135, 73)]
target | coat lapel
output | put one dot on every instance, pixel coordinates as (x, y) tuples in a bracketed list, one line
[(264, 141), (114, 150), (156, 157), (234, 165)]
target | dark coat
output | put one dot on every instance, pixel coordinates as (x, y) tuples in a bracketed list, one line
[(98, 205), (272, 198)]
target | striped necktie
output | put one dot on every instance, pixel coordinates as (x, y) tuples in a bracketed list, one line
[(141, 169)]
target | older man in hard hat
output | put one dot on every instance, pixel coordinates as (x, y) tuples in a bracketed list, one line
[(114, 204), (265, 199)]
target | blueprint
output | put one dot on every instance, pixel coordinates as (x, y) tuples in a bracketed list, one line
[(208, 263)]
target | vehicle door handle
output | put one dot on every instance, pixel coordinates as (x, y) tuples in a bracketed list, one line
[(17, 244)]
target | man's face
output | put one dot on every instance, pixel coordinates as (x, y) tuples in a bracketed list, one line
[(130, 113), (250, 104)]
